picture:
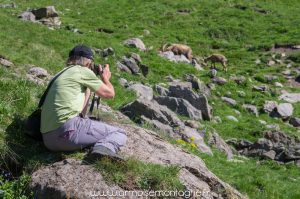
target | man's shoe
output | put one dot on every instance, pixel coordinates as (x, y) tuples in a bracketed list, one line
[(101, 151)]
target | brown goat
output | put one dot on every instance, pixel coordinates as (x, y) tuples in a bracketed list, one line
[(179, 49), (217, 58)]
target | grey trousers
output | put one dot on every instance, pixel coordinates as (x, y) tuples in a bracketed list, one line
[(78, 133)]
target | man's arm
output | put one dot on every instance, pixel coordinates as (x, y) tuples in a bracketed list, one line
[(106, 90)]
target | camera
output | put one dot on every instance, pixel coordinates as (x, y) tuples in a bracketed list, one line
[(95, 69)]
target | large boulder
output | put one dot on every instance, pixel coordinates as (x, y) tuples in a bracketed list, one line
[(197, 84), (142, 91), (136, 43), (199, 101), (74, 179), (151, 110), (180, 106), (290, 97)]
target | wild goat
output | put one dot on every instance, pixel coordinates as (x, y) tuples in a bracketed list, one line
[(179, 49), (217, 58)]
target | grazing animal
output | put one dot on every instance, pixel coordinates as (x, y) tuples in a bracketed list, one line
[(217, 58), (179, 49)]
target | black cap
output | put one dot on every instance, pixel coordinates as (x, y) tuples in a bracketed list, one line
[(81, 51)]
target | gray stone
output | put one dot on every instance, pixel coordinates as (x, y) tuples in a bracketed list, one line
[(47, 12), (262, 122), (196, 65), (251, 108), (199, 101), (285, 110), (27, 16), (192, 136), (232, 118), (237, 79), (145, 69), (271, 63), (180, 106), (158, 125), (136, 43), (53, 22), (105, 52), (269, 106), (192, 123), (162, 91), (261, 88), (273, 127), (217, 119), (136, 57), (124, 68), (131, 64), (151, 110), (9, 5), (123, 82), (213, 73), (38, 72), (229, 101), (278, 84), (221, 145), (295, 121), (219, 80), (290, 97), (5, 62), (142, 91), (197, 84), (172, 57), (270, 78), (269, 154)]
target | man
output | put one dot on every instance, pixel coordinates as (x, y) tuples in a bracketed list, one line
[(63, 125)]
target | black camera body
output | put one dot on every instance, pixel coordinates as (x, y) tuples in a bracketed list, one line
[(95, 69)]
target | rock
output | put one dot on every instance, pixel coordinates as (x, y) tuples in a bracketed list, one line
[(105, 52), (275, 127), (162, 91), (270, 78), (27, 16), (232, 118), (287, 72), (229, 101), (196, 65), (192, 136), (285, 110), (38, 72), (262, 122), (197, 84), (144, 145), (159, 126), (221, 145), (257, 61), (271, 63), (151, 110), (180, 106), (146, 32), (237, 112), (10, 5), (131, 64), (169, 78), (213, 73), (295, 121), (192, 123), (5, 62), (172, 57), (53, 22), (219, 80), (124, 68), (278, 84), (217, 120), (237, 79), (136, 57), (142, 91), (290, 97), (269, 154), (136, 43), (123, 82), (262, 88), (47, 12), (251, 108), (269, 106), (199, 101)]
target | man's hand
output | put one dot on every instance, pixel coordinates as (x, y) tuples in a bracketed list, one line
[(105, 73)]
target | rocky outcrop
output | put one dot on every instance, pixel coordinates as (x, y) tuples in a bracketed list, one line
[(274, 145), (142, 91), (73, 179)]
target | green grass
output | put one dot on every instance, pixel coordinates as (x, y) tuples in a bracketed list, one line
[(211, 27)]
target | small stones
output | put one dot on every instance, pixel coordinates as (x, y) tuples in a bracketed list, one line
[(232, 118), (295, 121), (271, 63), (105, 52), (261, 88), (290, 97), (269, 106), (237, 79), (285, 110), (229, 101), (123, 82), (278, 84), (219, 80), (5, 62), (38, 75), (241, 93), (251, 108)]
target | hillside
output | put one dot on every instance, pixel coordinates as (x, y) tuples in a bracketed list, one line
[(261, 41)]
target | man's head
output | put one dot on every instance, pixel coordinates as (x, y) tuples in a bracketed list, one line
[(81, 55)]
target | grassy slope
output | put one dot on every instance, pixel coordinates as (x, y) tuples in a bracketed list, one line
[(212, 26)]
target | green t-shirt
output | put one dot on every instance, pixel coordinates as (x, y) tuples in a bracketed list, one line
[(65, 99)]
